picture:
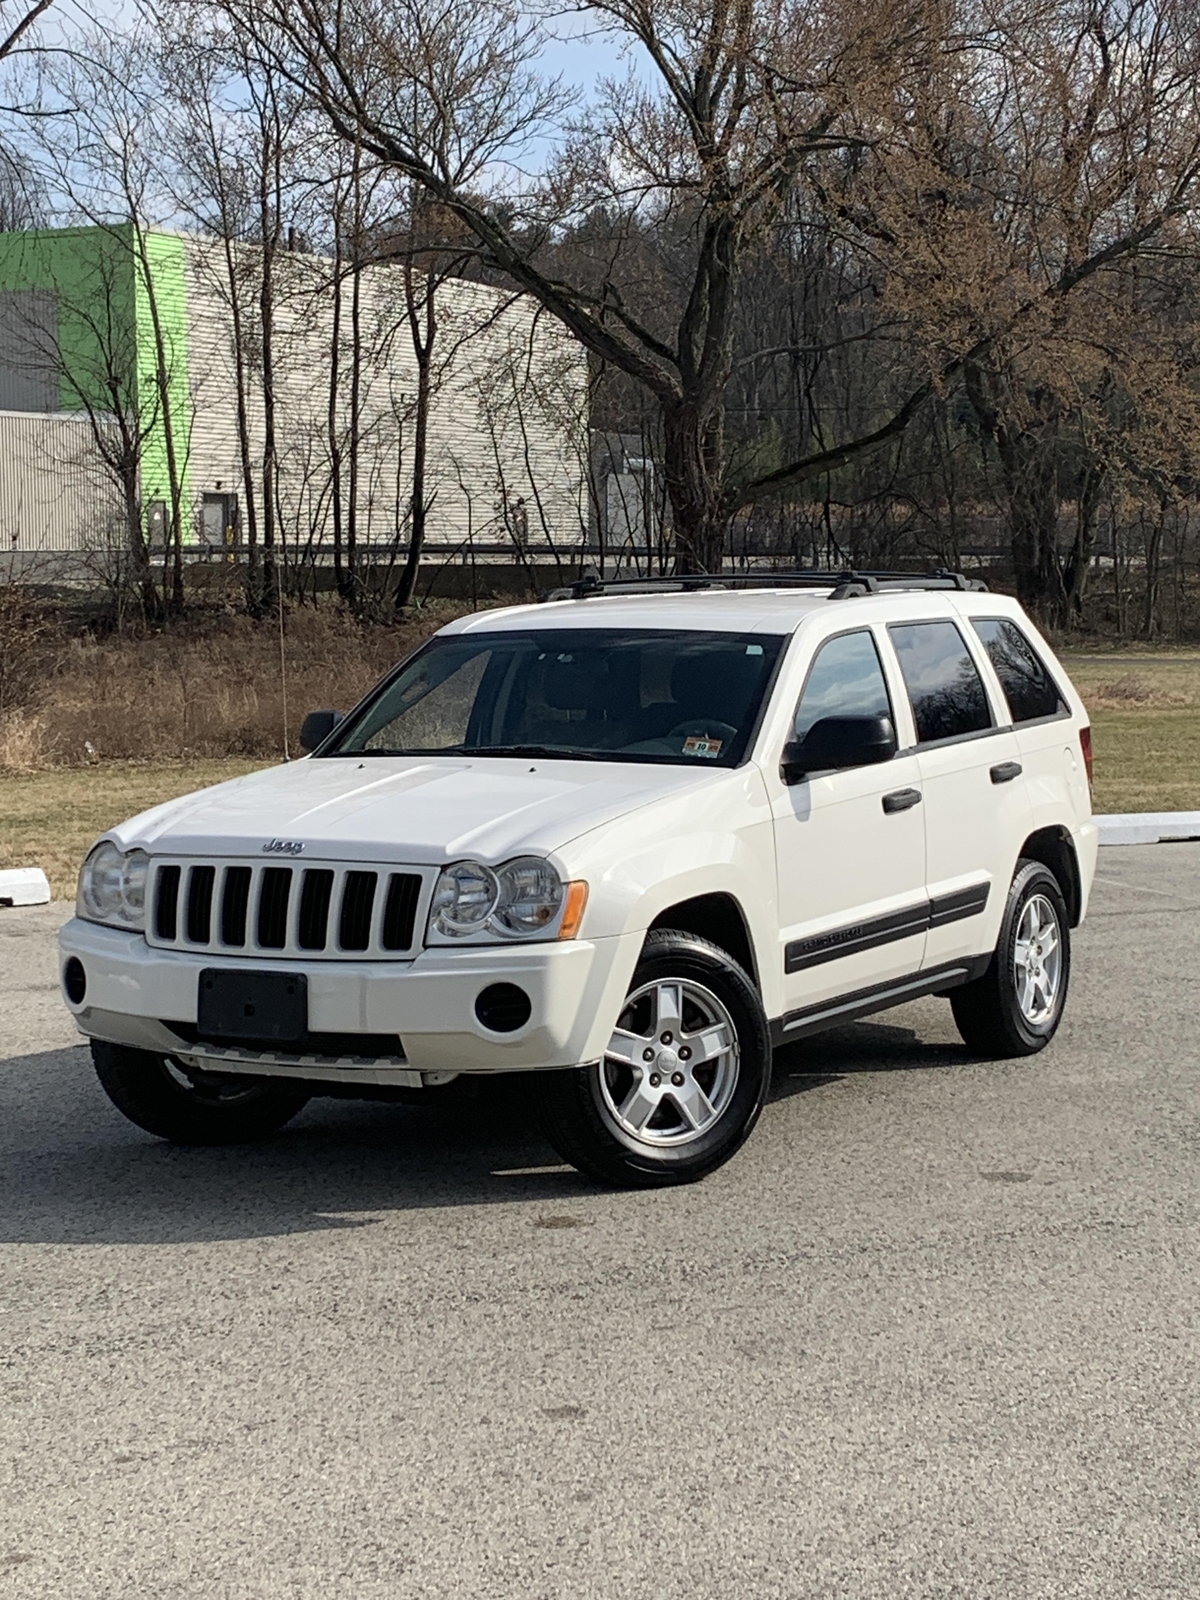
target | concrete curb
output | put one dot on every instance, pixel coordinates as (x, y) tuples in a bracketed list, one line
[(24, 886), (1149, 827)]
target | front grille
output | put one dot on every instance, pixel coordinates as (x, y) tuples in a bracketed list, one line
[(318, 911)]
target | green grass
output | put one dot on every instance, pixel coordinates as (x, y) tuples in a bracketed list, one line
[(1147, 760), (1145, 710)]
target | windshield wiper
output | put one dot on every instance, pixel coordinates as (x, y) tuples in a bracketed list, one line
[(548, 751), (554, 752)]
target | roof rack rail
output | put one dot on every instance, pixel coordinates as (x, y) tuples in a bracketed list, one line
[(845, 585)]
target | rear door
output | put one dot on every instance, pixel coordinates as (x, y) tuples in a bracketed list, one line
[(850, 846), (975, 802), (1047, 741)]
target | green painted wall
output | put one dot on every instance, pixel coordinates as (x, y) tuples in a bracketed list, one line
[(159, 268), (89, 271), (103, 280)]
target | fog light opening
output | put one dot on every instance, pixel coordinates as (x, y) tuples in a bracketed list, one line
[(75, 981), (503, 1008)]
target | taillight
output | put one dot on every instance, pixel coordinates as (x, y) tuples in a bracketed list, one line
[(1085, 744)]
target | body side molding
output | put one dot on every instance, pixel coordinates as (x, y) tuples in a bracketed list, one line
[(858, 936)]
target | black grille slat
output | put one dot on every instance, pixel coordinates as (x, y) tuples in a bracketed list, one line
[(235, 902), (314, 909), (199, 903), (400, 910), (166, 903), (358, 901), (273, 897)]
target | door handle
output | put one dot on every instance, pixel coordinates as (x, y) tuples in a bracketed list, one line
[(1006, 771), (901, 800)]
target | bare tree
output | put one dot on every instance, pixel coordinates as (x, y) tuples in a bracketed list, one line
[(103, 166), (751, 106)]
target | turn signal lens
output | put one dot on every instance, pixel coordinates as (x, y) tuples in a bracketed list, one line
[(573, 908), (1085, 744)]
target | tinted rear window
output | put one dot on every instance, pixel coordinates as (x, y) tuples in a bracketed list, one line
[(943, 682), (1029, 689)]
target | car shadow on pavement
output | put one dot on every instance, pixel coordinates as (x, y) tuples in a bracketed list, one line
[(862, 1047), (72, 1171)]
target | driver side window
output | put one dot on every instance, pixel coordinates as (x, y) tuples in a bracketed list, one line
[(845, 680)]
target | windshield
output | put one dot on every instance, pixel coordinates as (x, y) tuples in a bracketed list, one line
[(599, 694)]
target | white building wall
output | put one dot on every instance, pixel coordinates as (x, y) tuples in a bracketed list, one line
[(54, 495), (507, 434)]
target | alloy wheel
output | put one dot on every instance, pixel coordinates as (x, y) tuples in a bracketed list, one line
[(671, 1067), (1037, 960)]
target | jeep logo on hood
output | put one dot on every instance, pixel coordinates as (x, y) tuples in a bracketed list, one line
[(283, 847)]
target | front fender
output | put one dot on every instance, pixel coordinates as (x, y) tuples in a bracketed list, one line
[(634, 877)]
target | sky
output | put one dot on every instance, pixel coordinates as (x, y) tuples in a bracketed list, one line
[(578, 55)]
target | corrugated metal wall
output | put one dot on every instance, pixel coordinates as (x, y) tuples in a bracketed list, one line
[(507, 436), (52, 494)]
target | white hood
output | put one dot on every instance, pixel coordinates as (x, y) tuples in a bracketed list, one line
[(407, 809)]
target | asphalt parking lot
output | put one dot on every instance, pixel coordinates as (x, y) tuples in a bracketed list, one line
[(933, 1333)]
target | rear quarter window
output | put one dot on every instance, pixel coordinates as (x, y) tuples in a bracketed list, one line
[(1028, 687), (944, 687)]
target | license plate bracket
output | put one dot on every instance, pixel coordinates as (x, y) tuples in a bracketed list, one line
[(267, 1007)]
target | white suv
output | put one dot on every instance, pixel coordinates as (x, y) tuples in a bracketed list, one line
[(628, 841)]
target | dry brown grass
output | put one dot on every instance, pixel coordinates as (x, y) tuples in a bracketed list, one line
[(213, 689), (1159, 682)]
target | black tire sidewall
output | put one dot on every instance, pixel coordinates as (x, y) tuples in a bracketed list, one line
[(141, 1087), (1031, 879), (671, 955)]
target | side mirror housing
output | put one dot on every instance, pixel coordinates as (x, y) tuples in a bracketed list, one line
[(316, 728), (835, 744)]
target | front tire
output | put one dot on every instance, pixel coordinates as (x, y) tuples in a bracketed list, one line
[(1015, 1008), (197, 1109), (685, 1077)]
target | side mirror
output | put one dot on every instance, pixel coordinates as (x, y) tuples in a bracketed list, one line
[(835, 744), (316, 728)]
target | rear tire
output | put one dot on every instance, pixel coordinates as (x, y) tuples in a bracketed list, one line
[(677, 1116), (1015, 1008), (196, 1109)]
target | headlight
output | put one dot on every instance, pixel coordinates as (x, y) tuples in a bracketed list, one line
[(464, 898), (519, 900), (112, 886), (531, 893)]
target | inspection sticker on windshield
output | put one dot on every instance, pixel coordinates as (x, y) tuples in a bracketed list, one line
[(699, 744)]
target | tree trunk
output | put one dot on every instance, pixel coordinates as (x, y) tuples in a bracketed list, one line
[(268, 595), (693, 455), (423, 343), (245, 453), (141, 577), (1079, 557), (1029, 463), (333, 419), (1025, 432)]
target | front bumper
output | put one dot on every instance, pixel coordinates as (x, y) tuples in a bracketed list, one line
[(576, 989)]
